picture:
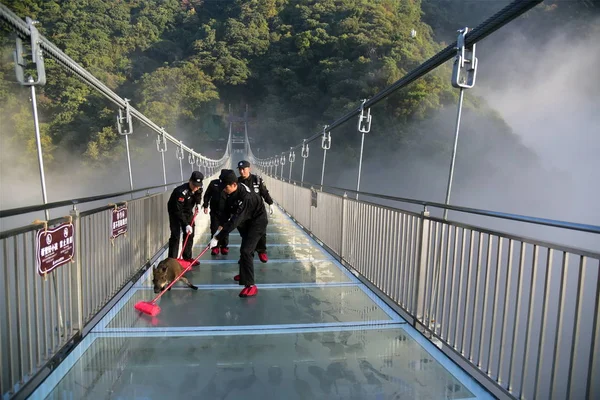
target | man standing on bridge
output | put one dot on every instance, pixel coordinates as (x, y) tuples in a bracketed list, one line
[(249, 216), (216, 197), (181, 212), (256, 184)]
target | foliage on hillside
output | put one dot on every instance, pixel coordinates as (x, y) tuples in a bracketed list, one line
[(297, 63)]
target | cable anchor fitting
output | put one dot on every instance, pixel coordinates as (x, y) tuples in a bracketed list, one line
[(464, 71), (37, 58), (161, 141), (179, 151), (364, 121), (124, 122), (304, 152), (326, 139), (292, 155)]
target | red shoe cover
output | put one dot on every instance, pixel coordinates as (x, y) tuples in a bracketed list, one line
[(263, 257), (224, 250), (251, 291), (214, 252), (244, 292), (236, 278)]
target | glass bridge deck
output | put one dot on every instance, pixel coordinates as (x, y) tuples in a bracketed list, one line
[(312, 332)]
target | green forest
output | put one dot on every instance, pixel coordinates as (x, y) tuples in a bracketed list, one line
[(297, 64)]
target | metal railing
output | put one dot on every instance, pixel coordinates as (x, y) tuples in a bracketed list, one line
[(39, 315), (519, 312)]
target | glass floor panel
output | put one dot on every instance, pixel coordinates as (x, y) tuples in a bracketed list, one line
[(275, 251), (312, 332), (347, 364), (272, 306), (216, 272), (272, 238)]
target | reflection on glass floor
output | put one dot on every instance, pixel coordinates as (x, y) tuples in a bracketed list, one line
[(313, 332)]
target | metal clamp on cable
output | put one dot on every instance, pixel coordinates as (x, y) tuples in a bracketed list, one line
[(366, 119), (304, 149), (179, 151), (125, 119), (191, 158), (292, 155), (326, 140), (37, 58), (465, 63), (161, 142), (199, 161), (282, 158)]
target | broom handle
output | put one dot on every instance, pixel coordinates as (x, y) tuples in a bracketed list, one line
[(188, 235), (182, 272)]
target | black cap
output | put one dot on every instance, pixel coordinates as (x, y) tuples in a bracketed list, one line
[(196, 178), (227, 178), (243, 164)]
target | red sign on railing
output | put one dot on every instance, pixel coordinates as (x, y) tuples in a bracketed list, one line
[(54, 247), (119, 221)]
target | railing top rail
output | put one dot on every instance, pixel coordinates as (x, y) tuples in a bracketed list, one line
[(49, 48), (25, 210), (494, 214)]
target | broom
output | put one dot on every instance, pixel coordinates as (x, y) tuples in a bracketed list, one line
[(150, 307), (187, 236)]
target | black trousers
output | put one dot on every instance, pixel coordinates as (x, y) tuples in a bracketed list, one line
[(214, 225), (251, 233), (261, 246), (176, 231)]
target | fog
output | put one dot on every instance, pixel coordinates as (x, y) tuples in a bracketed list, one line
[(546, 88)]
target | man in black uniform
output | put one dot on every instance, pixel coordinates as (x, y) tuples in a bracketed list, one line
[(216, 198), (256, 184), (250, 217), (181, 212)]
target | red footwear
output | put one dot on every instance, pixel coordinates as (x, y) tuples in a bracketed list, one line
[(192, 262), (236, 278), (251, 291), (214, 251), (224, 250), (263, 257), (244, 292)]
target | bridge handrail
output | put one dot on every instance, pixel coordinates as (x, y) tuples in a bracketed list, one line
[(13, 20), (488, 213), (81, 200)]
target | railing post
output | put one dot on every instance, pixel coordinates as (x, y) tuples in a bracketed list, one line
[(325, 145), (343, 233), (161, 147), (418, 301), (76, 272)]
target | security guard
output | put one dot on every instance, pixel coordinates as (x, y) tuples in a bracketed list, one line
[(255, 183), (181, 212), (216, 198), (250, 217)]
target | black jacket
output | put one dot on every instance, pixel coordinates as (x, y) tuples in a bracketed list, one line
[(215, 197), (255, 183), (245, 207), (181, 203)]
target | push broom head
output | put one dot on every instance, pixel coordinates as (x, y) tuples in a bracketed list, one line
[(147, 308)]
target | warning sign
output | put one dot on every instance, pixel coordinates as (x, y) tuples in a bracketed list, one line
[(54, 247), (119, 221)]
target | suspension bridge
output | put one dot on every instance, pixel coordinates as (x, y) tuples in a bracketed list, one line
[(359, 300)]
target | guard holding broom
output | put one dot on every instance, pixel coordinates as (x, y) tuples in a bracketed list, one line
[(181, 211), (249, 216)]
